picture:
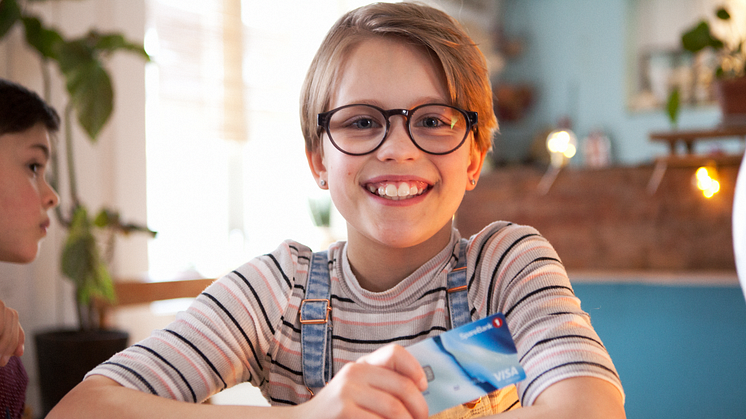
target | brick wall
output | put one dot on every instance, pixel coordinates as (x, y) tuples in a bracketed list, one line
[(606, 220)]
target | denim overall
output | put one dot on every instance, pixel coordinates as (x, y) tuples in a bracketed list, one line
[(316, 325)]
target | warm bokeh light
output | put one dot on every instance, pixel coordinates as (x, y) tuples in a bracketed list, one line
[(706, 179), (570, 151), (562, 145)]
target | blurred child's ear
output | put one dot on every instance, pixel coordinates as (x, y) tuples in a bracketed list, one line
[(476, 160), (318, 169)]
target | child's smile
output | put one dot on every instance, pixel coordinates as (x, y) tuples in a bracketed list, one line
[(397, 191)]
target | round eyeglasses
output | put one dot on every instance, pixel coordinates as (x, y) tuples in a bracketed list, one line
[(360, 129)]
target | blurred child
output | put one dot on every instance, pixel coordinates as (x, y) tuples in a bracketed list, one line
[(26, 123), (396, 111)]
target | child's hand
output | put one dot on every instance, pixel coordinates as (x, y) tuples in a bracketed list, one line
[(387, 383), (11, 334)]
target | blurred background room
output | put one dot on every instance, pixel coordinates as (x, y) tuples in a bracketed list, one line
[(605, 122)]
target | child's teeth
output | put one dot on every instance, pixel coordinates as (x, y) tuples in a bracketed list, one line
[(392, 191)]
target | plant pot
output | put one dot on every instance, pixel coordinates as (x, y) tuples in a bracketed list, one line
[(65, 356), (731, 96)]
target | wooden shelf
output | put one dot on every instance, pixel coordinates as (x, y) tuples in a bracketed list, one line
[(689, 137)]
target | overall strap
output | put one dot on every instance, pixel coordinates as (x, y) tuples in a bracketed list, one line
[(316, 325), (458, 305)]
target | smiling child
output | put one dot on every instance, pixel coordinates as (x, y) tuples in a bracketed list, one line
[(397, 116)]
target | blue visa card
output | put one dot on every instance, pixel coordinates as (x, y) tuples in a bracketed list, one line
[(468, 362)]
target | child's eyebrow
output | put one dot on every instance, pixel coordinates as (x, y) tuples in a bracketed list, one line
[(43, 148)]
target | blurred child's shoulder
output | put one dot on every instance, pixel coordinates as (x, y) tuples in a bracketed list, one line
[(288, 257), (499, 230), (504, 236)]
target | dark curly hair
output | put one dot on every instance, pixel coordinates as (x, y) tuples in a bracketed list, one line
[(21, 109)]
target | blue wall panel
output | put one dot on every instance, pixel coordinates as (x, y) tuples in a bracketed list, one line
[(680, 350)]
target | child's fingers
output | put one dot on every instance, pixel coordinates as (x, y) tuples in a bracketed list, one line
[(9, 334), (396, 358), (360, 389), (21, 342), (383, 404), (395, 395)]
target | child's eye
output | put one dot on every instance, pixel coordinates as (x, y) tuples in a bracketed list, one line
[(431, 122), (35, 168), (364, 123)]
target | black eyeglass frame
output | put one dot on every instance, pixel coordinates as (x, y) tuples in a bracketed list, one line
[(472, 119)]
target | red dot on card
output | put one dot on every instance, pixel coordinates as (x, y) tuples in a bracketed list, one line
[(497, 322)]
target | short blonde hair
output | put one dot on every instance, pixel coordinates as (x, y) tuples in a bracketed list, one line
[(463, 64)]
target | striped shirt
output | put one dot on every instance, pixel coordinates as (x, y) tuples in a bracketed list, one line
[(245, 326)]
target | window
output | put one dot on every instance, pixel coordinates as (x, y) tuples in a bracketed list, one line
[(227, 172)]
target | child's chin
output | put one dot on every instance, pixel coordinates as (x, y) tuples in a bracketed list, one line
[(23, 255)]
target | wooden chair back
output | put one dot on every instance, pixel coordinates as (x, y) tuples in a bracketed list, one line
[(137, 292)]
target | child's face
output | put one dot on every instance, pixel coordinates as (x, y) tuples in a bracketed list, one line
[(25, 195), (391, 74)]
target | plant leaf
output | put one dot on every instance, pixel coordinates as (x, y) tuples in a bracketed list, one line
[(92, 97), (112, 42), (131, 227), (79, 252), (321, 211), (82, 262), (88, 84), (44, 40), (105, 218), (9, 15), (672, 107), (699, 38), (722, 14), (105, 284), (73, 54)]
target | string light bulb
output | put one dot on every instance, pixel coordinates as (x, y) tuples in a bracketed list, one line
[(707, 180), (562, 145)]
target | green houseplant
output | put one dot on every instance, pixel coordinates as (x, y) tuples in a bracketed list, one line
[(729, 72), (64, 356)]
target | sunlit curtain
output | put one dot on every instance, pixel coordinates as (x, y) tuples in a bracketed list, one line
[(195, 134)]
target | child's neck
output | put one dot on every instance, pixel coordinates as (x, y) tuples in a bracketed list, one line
[(378, 267)]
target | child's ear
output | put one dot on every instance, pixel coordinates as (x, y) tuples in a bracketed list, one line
[(476, 160), (318, 169)]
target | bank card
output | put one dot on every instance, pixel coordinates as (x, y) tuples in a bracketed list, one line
[(468, 362)]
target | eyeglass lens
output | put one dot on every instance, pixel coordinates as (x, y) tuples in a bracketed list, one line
[(359, 129)]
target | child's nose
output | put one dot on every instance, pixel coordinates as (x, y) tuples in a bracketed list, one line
[(398, 145), (50, 199)]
